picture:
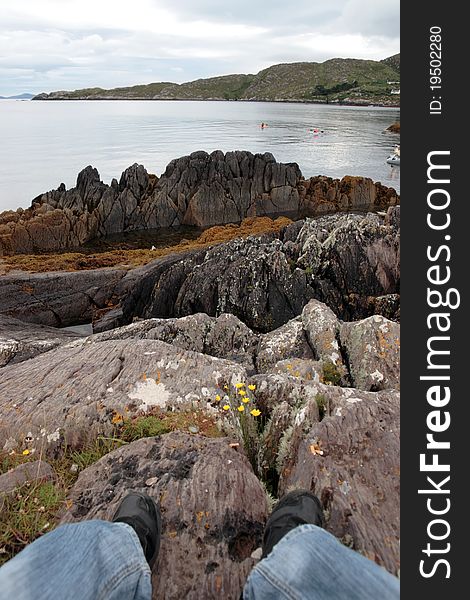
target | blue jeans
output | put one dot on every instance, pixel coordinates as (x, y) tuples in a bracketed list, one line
[(97, 560), (310, 563), (91, 560)]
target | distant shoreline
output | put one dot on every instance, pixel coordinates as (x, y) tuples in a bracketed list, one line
[(287, 101)]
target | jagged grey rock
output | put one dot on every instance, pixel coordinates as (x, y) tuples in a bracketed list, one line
[(310, 370), (251, 279), (200, 189), (213, 510), (343, 444), (286, 342), (223, 337), (359, 261), (373, 349), (352, 265), (321, 327)]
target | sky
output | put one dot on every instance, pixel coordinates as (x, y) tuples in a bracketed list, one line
[(48, 45)]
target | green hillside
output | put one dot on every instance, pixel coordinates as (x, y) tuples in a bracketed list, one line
[(336, 80), (393, 61)]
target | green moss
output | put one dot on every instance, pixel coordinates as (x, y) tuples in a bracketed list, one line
[(144, 427)]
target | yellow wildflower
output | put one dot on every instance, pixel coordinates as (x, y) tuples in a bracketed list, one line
[(225, 387), (252, 387), (117, 419), (239, 385), (217, 398), (241, 408), (242, 393), (245, 400), (25, 452), (226, 407), (255, 412)]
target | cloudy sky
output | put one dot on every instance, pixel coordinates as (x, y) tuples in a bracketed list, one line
[(48, 45)]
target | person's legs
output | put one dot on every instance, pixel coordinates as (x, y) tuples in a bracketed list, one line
[(92, 560), (310, 563), (300, 560)]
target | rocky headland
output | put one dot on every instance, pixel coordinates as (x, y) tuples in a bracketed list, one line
[(297, 324), (338, 80)]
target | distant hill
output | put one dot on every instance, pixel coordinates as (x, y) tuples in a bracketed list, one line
[(18, 97), (344, 80)]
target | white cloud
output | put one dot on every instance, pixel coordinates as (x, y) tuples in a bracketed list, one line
[(67, 44)]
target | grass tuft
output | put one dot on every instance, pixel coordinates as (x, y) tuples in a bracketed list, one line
[(31, 510)]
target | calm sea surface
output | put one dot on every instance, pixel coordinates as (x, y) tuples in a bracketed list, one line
[(45, 143)]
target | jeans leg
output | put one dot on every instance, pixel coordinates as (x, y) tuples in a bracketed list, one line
[(91, 560), (310, 563)]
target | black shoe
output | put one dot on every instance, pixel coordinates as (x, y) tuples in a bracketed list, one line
[(140, 512), (295, 508)]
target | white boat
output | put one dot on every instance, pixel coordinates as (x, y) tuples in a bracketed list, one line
[(394, 159)]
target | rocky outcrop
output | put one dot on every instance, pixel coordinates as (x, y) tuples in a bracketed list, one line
[(320, 195), (79, 387), (184, 363), (349, 262), (222, 337), (287, 342), (201, 190), (372, 348), (340, 442), (20, 341), (343, 445), (62, 298), (213, 510)]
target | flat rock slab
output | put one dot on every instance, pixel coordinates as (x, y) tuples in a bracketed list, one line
[(213, 510), (58, 299), (350, 460), (76, 389), (20, 341)]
